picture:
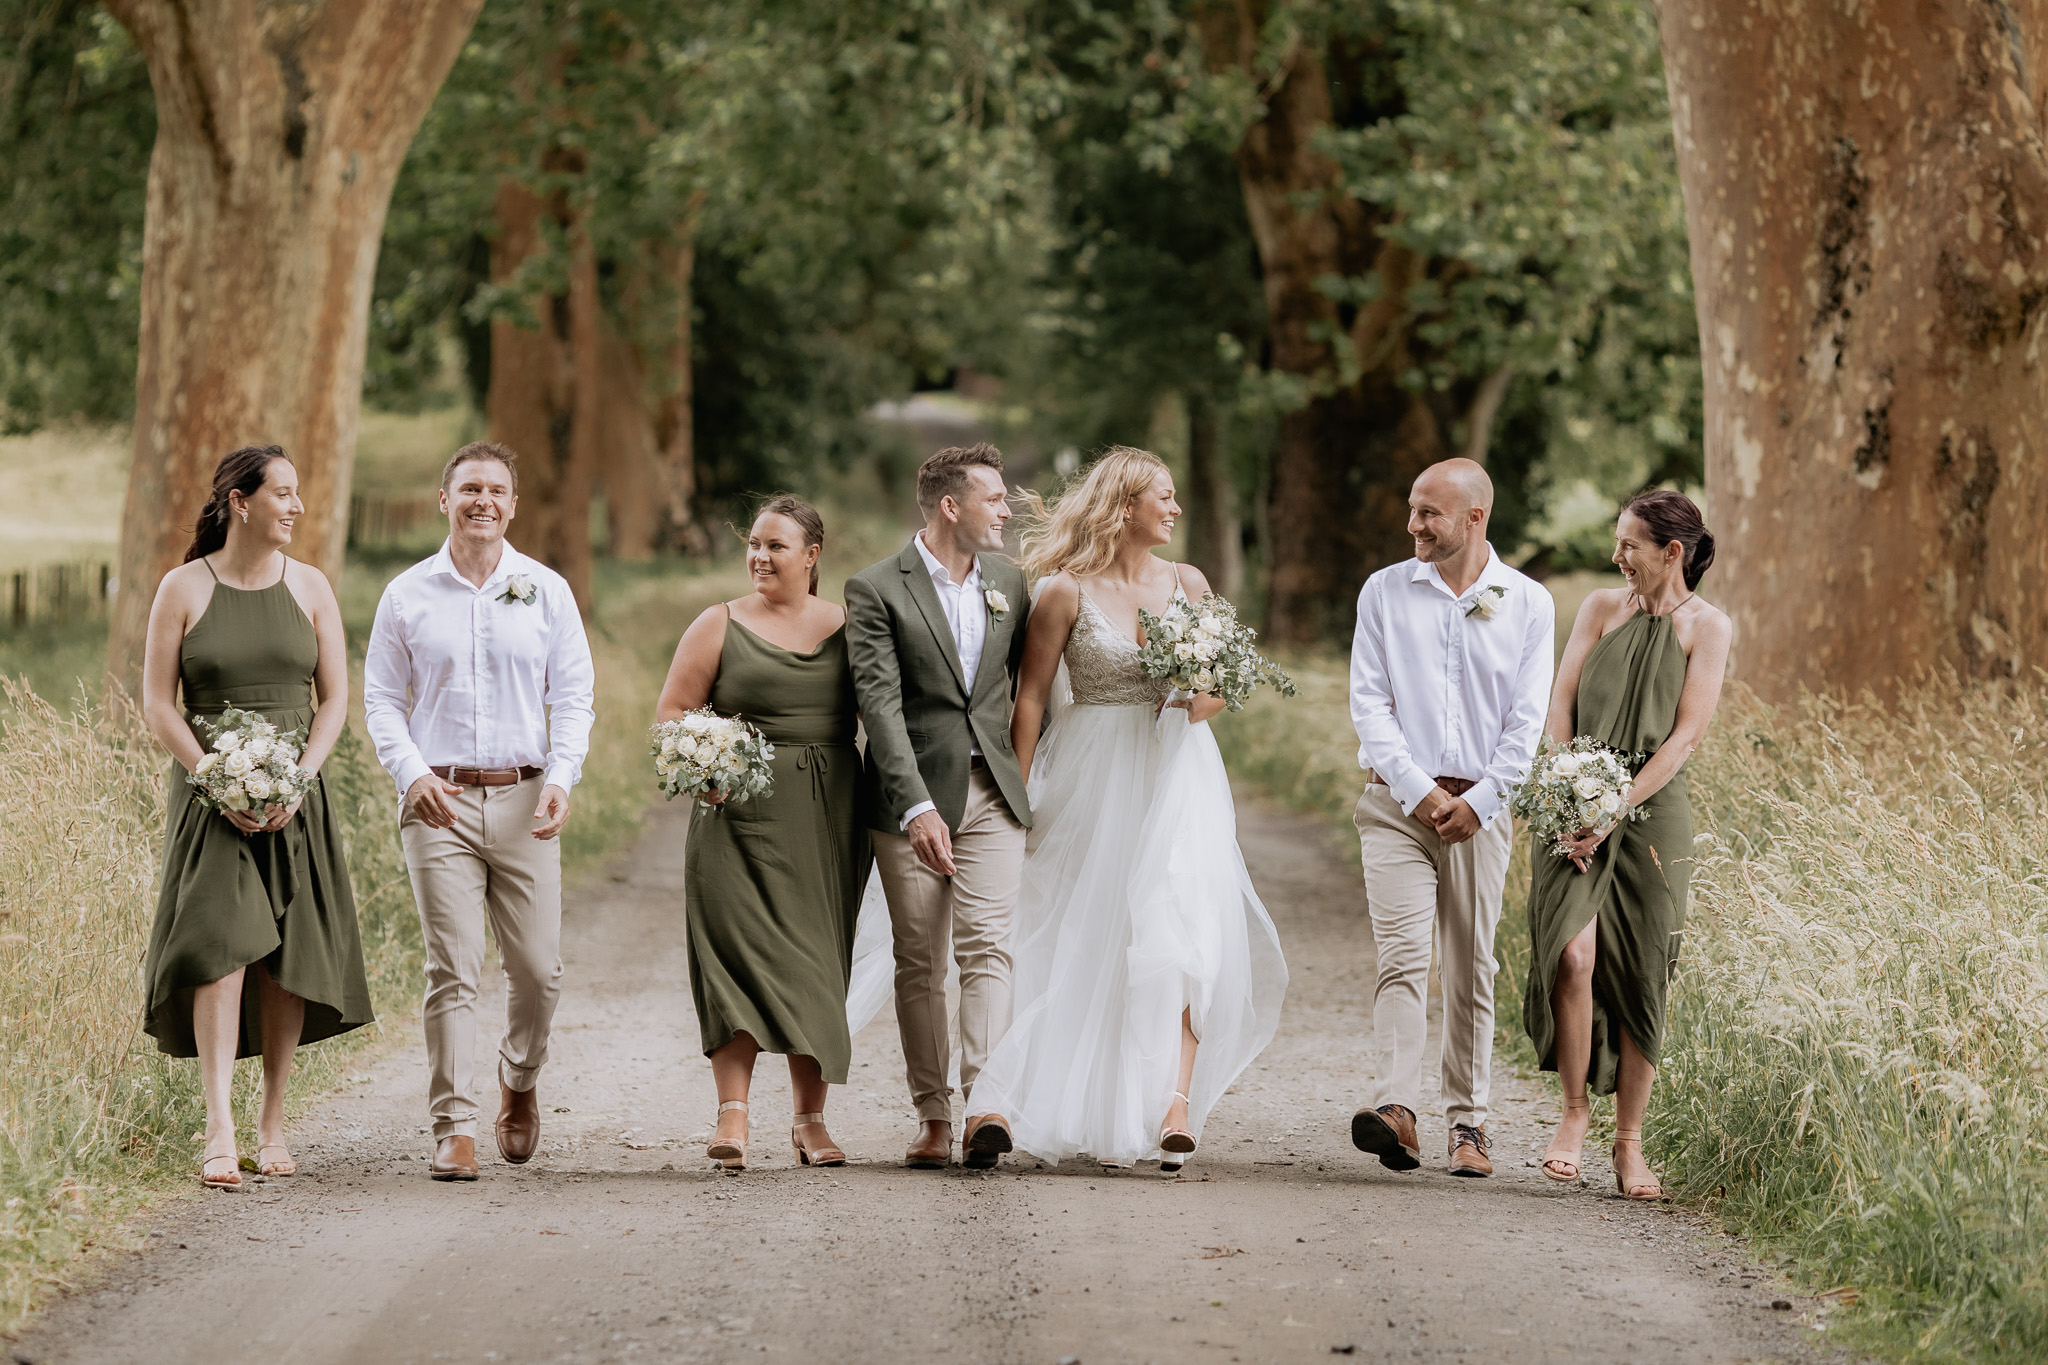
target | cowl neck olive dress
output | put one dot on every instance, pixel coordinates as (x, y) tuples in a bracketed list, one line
[(773, 886), (1628, 700), (230, 899)]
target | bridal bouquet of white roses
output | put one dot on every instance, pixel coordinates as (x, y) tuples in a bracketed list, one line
[(1575, 786), (702, 752), (249, 764), (1203, 648)]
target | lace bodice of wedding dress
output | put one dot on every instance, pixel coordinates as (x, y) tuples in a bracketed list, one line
[(1102, 662)]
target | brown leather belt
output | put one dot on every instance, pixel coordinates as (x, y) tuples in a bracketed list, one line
[(486, 777), (1456, 786)]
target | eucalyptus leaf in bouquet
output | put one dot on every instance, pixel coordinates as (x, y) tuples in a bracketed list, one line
[(249, 764), (1203, 648), (1575, 786)]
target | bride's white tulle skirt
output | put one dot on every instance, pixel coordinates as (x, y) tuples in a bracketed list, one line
[(1135, 905)]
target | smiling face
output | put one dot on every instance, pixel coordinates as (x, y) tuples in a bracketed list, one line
[(1153, 512), (1441, 518), (979, 512), (274, 509), (778, 560), (1646, 565), (479, 502)]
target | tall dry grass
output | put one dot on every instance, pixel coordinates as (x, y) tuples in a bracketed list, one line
[(1859, 1030)]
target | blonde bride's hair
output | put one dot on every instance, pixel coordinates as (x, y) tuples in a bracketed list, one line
[(1079, 532)]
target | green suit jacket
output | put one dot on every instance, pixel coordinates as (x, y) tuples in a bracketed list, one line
[(923, 715)]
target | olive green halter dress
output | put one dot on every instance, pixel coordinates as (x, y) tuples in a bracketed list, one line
[(1628, 700), (229, 898), (773, 886)]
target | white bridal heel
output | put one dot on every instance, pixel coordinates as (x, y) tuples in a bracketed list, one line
[(1177, 1143)]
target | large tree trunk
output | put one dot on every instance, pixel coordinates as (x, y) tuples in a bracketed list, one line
[(678, 529), (1348, 454), (1215, 531), (628, 460), (546, 385), (1866, 190), (280, 131)]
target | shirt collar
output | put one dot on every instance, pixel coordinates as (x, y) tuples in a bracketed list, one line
[(510, 562), (938, 570), (1494, 574)]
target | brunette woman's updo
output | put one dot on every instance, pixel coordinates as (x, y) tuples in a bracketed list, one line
[(1675, 517), (807, 520), (240, 471)]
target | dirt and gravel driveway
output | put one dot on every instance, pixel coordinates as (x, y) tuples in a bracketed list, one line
[(619, 1242)]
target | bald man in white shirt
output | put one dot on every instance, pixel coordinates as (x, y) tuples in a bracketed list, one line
[(477, 690), (1450, 679)]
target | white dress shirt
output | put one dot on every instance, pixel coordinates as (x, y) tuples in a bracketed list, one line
[(967, 615), (1439, 692), (457, 677)]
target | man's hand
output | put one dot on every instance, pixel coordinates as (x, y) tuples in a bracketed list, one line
[(428, 799), (553, 812), (1455, 820), (932, 842)]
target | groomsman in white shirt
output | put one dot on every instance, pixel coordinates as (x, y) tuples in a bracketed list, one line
[(477, 690), (1450, 679)]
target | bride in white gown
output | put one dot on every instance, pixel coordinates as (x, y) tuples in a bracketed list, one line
[(1148, 975)]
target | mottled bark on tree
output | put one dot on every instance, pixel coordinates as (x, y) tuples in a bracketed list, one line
[(1866, 194), (627, 454), (678, 528), (1347, 456), (280, 131), (545, 395)]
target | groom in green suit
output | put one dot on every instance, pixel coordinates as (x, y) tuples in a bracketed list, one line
[(936, 635)]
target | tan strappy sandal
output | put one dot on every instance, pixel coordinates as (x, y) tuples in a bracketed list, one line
[(824, 1156), (1640, 1192), (281, 1168), (1559, 1166), (730, 1153), (230, 1179), (1177, 1143)]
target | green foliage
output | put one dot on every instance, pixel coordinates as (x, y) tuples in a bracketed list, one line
[(1532, 157), (77, 121)]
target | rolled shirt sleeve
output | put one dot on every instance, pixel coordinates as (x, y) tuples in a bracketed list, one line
[(387, 696), (1381, 745), (571, 695)]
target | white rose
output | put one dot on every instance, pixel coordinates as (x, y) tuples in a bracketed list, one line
[(207, 765), (1211, 625), (234, 798), (1208, 650), (1588, 788), (668, 745), (1589, 814), (258, 786), (238, 763), (1204, 681), (1184, 652), (1565, 765), (228, 742), (1610, 803)]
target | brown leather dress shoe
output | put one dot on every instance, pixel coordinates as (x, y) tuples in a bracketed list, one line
[(454, 1158), (987, 1138), (1388, 1132), (933, 1149), (518, 1123), (1468, 1151)]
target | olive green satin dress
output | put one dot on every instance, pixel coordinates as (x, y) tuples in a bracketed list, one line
[(1628, 700), (773, 885), (228, 898)]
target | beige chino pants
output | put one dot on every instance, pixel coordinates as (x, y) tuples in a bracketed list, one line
[(1421, 893), (967, 915), (489, 867)]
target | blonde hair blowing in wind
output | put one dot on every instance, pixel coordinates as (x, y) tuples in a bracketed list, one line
[(1079, 533)]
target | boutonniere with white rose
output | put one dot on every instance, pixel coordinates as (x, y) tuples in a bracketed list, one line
[(998, 605), (519, 588), (1488, 602)]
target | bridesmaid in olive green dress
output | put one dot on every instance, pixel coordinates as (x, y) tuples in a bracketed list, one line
[(773, 885), (254, 949), (1641, 674)]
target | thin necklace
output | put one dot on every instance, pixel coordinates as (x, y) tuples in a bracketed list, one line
[(1673, 612)]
